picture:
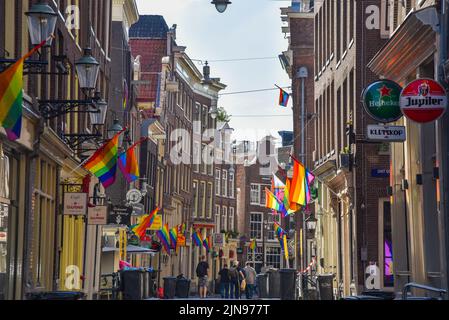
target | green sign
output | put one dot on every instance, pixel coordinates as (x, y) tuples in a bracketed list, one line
[(381, 101)]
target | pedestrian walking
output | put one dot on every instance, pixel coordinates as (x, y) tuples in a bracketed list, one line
[(224, 282), (236, 275), (250, 276), (202, 272)]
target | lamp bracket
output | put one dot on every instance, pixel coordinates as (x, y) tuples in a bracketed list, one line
[(76, 139), (50, 109)]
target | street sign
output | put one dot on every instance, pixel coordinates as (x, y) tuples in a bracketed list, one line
[(134, 196), (138, 209), (423, 100), (120, 215), (75, 204), (97, 215), (386, 133), (381, 101), (380, 173), (219, 239)]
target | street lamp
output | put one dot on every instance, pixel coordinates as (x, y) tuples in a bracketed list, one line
[(41, 23), (221, 5), (311, 223), (97, 111), (87, 69), (115, 129)]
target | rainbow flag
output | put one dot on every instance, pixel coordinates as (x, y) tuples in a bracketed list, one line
[(310, 178), (298, 184), (283, 98), (103, 163), (174, 237), (11, 96), (164, 236), (272, 202), (125, 94), (278, 231), (196, 238), (277, 183), (252, 245), (145, 222), (206, 244), (128, 165)]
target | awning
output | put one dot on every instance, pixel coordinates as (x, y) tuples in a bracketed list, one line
[(132, 249), (410, 45)]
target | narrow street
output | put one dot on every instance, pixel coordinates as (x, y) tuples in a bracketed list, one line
[(197, 150)]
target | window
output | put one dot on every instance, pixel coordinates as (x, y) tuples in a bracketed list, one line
[(196, 156), (224, 219), (204, 117), (203, 199), (231, 218), (256, 260), (217, 219), (209, 200), (255, 226), (273, 256), (217, 181), (231, 185), (224, 185), (195, 198), (255, 193), (203, 163)]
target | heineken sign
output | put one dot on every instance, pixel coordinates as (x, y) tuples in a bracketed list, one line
[(381, 101), (423, 100)]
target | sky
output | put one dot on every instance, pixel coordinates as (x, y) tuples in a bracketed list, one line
[(247, 29)]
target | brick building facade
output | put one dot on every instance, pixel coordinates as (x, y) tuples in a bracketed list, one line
[(351, 200)]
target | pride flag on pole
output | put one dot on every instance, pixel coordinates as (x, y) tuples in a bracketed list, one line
[(298, 184), (196, 238), (103, 163), (128, 165), (164, 236), (145, 223), (252, 245), (283, 98), (207, 244), (11, 96), (174, 237)]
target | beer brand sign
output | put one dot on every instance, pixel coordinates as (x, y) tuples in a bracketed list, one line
[(381, 101), (423, 100)]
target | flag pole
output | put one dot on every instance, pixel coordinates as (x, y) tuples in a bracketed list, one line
[(88, 159)]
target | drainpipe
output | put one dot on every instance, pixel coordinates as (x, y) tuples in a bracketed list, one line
[(442, 145)]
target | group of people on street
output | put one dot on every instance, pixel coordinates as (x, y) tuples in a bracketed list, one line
[(233, 280)]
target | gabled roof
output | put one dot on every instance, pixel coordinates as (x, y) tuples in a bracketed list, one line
[(149, 27)]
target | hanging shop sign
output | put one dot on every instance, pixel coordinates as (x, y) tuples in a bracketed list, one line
[(138, 209), (120, 215), (134, 196), (219, 239), (423, 100), (157, 223), (75, 204), (381, 101), (97, 216), (386, 133)]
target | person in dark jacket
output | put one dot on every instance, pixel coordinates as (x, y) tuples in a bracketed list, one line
[(202, 271), (224, 282), (236, 275)]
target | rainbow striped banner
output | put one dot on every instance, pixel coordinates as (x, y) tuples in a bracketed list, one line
[(103, 163), (272, 202), (196, 238), (11, 96), (145, 223), (207, 244), (164, 236), (252, 245), (128, 165), (173, 237)]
